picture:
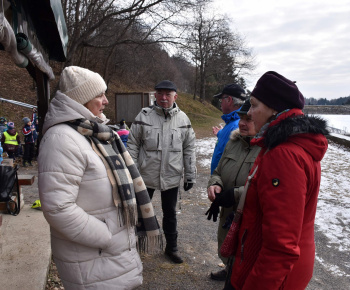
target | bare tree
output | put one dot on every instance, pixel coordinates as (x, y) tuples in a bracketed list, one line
[(132, 40), (102, 26), (218, 53), (86, 20)]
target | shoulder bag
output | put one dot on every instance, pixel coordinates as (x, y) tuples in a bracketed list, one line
[(229, 246)]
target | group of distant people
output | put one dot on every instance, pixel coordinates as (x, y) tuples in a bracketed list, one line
[(11, 141), (96, 191)]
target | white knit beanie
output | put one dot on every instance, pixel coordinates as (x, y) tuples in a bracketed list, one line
[(80, 84)]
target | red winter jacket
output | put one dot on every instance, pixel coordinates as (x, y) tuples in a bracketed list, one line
[(276, 240)]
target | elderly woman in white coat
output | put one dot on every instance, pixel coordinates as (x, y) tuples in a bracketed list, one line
[(91, 192)]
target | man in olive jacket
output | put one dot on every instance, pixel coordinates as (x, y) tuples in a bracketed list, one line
[(162, 144)]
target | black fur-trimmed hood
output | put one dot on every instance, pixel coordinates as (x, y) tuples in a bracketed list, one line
[(294, 127), (301, 124)]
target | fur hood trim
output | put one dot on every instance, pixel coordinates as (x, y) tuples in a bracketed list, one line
[(235, 134), (293, 125)]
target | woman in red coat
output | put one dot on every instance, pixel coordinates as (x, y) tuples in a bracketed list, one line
[(276, 247)]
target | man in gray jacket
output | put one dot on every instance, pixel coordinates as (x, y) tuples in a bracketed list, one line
[(162, 143)]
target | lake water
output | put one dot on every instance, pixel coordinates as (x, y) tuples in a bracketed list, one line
[(341, 122)]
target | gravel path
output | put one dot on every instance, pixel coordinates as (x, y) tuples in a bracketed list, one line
[(196, 242)]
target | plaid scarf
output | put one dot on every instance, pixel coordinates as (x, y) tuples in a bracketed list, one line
[(129, 191)]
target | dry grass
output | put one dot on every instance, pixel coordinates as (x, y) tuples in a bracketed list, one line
[(203, 115)]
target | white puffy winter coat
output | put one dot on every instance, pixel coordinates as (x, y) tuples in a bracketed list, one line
[(91, 249)]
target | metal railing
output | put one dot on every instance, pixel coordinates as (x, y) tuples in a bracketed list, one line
[(337, 131), (18, 103)]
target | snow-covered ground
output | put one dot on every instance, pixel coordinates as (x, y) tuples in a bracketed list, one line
[(341, 122), (333, 209), (204, 150)]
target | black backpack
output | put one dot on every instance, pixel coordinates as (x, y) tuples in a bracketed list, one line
[(8, 181)]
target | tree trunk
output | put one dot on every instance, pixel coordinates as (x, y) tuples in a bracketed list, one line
[(195, 83), (202, 82)]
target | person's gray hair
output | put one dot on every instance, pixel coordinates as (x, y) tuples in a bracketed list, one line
[(237, 102)]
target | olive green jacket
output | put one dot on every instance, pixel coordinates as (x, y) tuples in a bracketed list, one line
[(235, 164)]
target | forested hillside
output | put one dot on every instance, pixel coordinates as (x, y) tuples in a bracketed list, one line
[(16, 84)]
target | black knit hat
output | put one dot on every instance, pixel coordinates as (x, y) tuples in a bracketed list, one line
[(166, 85), (245, 108), (278, 92), (232, 90)]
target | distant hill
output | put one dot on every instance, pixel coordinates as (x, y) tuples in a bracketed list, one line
[(323, 101)]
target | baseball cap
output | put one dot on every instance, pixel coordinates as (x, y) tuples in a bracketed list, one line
[(232, 90)]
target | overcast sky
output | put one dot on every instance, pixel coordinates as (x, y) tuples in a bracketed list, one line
[(307, 41)]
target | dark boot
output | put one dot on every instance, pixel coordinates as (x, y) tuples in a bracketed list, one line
[(171, 248), (24, 163), (173, 256), (219, 275), (30, 163)]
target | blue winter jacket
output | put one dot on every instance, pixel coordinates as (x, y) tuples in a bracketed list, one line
[(28, 134), (223, 135)]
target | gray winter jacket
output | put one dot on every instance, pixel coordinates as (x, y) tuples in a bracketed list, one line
[(91, 249), (163, 147)]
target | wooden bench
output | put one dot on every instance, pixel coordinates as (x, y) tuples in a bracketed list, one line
[(25, 179)]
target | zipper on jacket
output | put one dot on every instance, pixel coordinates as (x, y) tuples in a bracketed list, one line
[(164, 112), (244, 237), (172, 137), (157, 141)]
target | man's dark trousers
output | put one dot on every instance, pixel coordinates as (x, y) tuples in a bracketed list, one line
[(169, 200)]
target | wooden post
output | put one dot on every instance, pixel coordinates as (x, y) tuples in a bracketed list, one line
[(43, 98)]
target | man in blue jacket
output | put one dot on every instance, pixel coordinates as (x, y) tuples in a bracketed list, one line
[(231, 98)]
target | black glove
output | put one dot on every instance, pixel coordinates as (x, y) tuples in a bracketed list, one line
[(225, 198), (188, 185), (229, 220), (213, 211)]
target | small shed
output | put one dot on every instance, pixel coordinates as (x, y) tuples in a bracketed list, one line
[(128, 105)]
